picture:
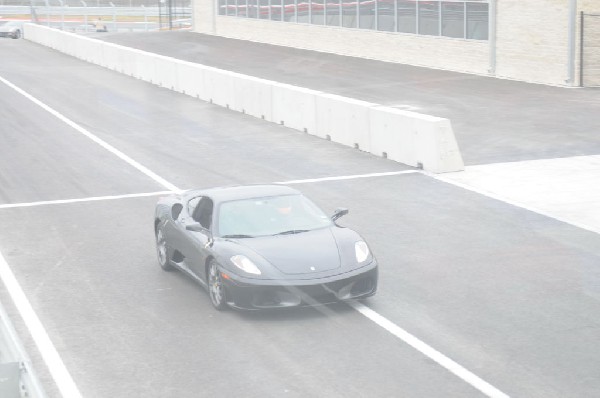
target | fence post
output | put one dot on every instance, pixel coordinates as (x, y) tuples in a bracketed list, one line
[(581, 50), (114, 10), (62, 14), (85, 15)]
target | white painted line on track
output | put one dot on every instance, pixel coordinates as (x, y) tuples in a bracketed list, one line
[(64, 380), (91, 199), (350, 177), (513, 203), (429, 352), (57, 368), (94, 138)]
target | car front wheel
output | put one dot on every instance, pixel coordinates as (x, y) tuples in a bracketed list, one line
[(161, 251), (17, 34), (216, 291)]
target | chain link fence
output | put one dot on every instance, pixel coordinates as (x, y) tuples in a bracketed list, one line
[(91, 16)]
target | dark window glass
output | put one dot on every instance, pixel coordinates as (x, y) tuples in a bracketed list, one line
[(263, 9), (289, 10), (317, 10), (333, 12), (477, 21), (203, 212), (385, 15), (366, 12), (453, 19), (222, 7), (349, 14), (253, 8), (302, 14), (242, 9), (407, 16), (231, 6), (429, 14), (276, 10)]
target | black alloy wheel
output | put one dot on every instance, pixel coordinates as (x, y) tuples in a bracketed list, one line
[(161, 251), (216, 291)]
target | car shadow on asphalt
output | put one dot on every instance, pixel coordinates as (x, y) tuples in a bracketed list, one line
[(295, 313)]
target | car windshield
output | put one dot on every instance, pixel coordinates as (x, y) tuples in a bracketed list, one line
[(288, 214)]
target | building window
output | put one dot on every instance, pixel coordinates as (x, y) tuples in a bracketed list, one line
[(460, 19), (477, 21)]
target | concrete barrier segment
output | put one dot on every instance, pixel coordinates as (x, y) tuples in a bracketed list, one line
[(415, 139), (295, 107), (407, 137), (344, 120)]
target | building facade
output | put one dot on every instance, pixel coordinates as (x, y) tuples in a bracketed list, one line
[(554, 42)]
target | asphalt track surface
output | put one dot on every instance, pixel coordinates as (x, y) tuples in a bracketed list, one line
[(510, 295)]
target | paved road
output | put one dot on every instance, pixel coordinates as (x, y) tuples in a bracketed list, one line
[(494, 120), (511, 295)]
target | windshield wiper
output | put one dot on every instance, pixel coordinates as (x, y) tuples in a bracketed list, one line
[(292, 231), (234, 236)]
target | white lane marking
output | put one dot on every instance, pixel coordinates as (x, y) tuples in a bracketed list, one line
[(136, 195), (350, 177), (565, 189), (94, 138), (429, 352), (91, 199), (57, 368), (515, 203)]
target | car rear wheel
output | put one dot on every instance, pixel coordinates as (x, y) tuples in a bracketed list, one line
[(17, 34), (216, 291), (161, 251)]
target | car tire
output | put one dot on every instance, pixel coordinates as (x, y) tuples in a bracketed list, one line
[(216, 290), (17, 34), (162, 251)]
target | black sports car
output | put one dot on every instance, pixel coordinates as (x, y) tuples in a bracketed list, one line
[(262, 246)]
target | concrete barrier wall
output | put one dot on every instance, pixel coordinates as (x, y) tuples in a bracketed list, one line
[(406, 137)]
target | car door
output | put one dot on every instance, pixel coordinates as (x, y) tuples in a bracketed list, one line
[(201, 236), (179, 237)]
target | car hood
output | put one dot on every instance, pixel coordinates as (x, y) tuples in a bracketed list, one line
[(301, 253), (7, 29)]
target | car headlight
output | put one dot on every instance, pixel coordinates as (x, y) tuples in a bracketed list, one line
[(362, 251), (244, 263)]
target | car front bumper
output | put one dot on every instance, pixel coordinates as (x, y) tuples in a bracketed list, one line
[(260, 294)]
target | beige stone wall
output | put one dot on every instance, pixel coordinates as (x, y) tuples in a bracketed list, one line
[(532, 41), (204, 16), (436, 52), (471, 56)]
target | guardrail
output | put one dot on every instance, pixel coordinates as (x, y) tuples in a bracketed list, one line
[(411, 138), (17, 378)]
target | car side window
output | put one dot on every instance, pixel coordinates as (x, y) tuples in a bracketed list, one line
[(176, 210), (203, 212), (192, 203)]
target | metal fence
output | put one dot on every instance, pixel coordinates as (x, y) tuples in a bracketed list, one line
[(91, 3), (85, 18)]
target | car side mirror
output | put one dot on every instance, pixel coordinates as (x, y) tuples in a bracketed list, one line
[(197, 227), (339, 212)]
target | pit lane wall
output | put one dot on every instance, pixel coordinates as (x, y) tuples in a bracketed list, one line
[(407, 137)]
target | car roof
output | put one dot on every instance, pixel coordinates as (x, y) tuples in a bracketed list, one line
[(224, 194)]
